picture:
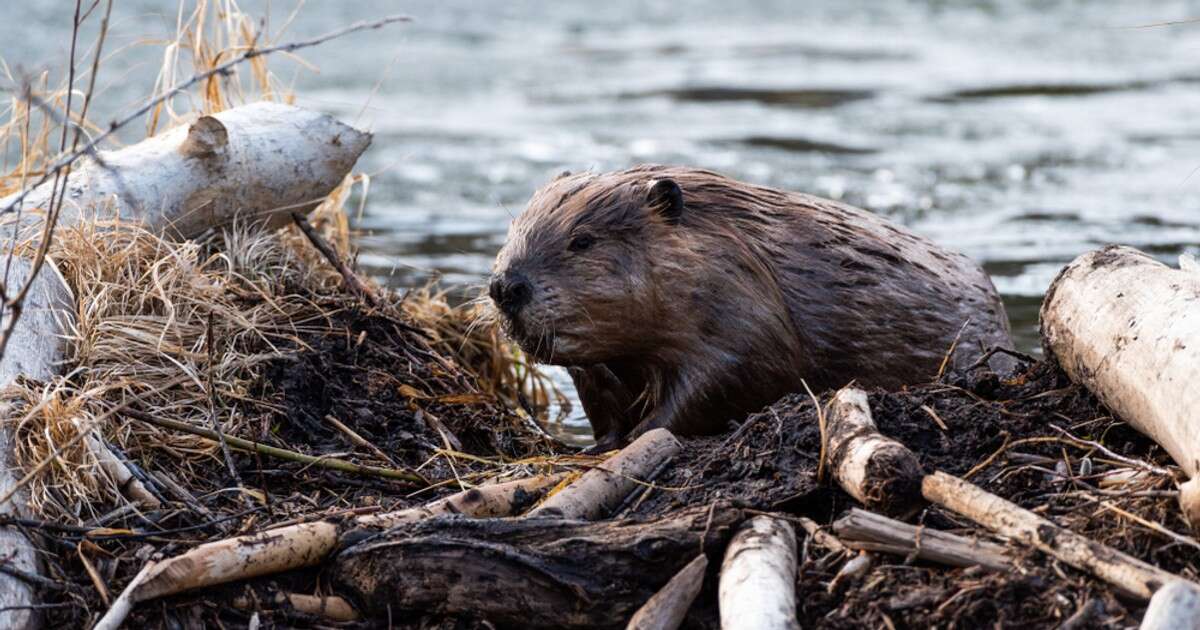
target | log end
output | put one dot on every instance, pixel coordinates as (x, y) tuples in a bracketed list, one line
[(1189, 501)]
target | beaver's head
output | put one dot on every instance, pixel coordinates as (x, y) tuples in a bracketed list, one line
[(578, 280)]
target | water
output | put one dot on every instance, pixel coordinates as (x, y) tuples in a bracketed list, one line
[(1019, 132)]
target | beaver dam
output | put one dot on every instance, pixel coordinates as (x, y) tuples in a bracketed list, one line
[(211, 419)]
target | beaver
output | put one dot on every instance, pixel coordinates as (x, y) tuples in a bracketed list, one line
[(680, 298)]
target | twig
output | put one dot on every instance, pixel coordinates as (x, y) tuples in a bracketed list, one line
[(353, 282), (1136, 463), (272, 451)]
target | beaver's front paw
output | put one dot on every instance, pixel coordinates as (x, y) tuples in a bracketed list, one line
[(604, 444)]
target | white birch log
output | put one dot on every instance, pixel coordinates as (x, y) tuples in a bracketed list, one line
[(1175, 606), (36, 350), (256, 163), (666, 609), (600, 490), (1127, 327), (877, 470), (757, 588)]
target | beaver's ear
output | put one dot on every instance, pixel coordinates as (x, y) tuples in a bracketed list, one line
[(666, 198), (562, 175)]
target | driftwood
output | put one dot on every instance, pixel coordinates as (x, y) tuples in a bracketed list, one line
[(600, 490), (307, 544), (257, 163), (758, 577), (668, 607), (878, 471), (529, 572), (1134, 577), (1175, 606), (1127, 327), (35, 350), (868, 531)]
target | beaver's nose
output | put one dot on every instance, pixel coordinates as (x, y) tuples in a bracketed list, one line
[(510, 291)]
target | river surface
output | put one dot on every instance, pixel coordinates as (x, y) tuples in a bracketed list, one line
[(1020, 132)]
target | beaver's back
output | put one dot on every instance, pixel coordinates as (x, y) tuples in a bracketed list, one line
[(877, 303)]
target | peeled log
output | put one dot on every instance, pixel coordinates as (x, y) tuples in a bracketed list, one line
[(36, 348), (877, 470), (600, 490), (667, 608), (1175, 606), (256, 163), (758, 577), (528, 572), (1127, 327)]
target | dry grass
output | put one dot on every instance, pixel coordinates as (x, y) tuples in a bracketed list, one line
[(187, 329)]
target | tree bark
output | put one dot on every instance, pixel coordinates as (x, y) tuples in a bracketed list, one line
[(531, 572), (878, 471), (600, 490), (1127, 327), (758, 577), (1127, 573)]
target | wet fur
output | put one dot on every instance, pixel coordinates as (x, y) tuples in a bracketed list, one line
[(686, 323)]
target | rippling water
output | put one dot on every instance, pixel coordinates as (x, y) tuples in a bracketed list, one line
[(1022, 133)]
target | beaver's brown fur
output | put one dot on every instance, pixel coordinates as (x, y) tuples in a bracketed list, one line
[(681, 298)]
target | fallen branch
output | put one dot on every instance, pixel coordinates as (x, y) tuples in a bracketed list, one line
[(307, 544), (600, 490), (666, 609), (868, 531), (878, 471), (529, 572), (758, 577), (1124, 325), (330, 607), (1127, 573)]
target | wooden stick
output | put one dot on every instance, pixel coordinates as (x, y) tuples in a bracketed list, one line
[(666, 609), (307, 544), (257, 447), (353, 282), (1174, 606), (868, 531), (1127, 573), (120, 608), (757, 587), (1126, 327), (501, 499), (600, 490), (329, 607), (878, 471), (117, 471)]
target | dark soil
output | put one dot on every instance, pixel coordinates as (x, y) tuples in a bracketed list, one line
[(770, 463), (380, 377)]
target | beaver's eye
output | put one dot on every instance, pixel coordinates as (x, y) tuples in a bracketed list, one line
[(581, 242)]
